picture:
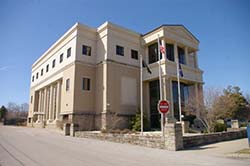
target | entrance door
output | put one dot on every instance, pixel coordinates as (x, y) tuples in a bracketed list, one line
[(154, 94)]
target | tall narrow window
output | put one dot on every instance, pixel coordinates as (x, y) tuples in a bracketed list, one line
[(42, 72), (67, 84), (153, 53), (170, 52), (181, 55), (86, 50), (85, 84), (47, 68), (53, 63), (33, 78), (134, 54), (37, 75), (61, 58), (69, 52), (119, 50)]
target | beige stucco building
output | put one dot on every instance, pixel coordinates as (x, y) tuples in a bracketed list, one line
[(91, 76)]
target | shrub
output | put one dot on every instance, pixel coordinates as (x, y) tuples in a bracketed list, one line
[(219, 127), (135, 123)]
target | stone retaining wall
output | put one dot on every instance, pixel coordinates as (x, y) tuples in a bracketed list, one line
[(197, 140)]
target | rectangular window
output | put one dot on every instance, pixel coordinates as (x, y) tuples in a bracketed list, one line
[(86, 50), (119, 50), (85, 84), (33, 78), (53, 63), (47, 68), (134, 54), (42, 72), (69, 52), (181, 55), (31, 99), (37, 75), (170, 52), (67, 84), (153, 53), (61, 58)]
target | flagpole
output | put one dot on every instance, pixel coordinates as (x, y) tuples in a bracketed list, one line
[(179, 87), (141, 82), (160, 79)]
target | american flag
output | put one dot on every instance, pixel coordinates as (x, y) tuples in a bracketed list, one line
[(162, 49)]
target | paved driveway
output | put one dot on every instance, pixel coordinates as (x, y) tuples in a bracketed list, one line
[(30, 146)]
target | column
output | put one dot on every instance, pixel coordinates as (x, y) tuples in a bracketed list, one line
[(171, 113), (176, 57), (50, 102), (195, 60), (196, 91), (54, 102), (58, 96), (186, 55), (39, 106), (44, 104)]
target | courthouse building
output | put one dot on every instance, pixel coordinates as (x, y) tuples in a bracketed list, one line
[(91, 76)]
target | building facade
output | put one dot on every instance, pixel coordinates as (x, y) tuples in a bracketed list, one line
[(91, 76)]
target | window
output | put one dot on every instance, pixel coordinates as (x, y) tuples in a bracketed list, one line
[(33, 78), (86, 50), (31, 99), (37, 75), (134, 54), (119, 50), (67, 84), (61, 58), (153, 53), (53, 63), (170, 52), (47, 68), (42, 72), (85, 84), (181, 55), (69, 52)]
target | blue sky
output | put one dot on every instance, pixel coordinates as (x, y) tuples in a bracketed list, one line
[(29, 27)]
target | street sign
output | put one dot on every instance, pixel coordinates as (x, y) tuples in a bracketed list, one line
[(163, 106)]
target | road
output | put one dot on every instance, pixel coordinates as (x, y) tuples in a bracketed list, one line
[(32, 147)]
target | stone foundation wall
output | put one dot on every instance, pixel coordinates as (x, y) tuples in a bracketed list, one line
[(197, 140)]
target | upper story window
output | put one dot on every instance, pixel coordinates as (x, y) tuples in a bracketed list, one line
[(42, 72), (86, 50), (153, 53), (53, 63), (170, 52), (134, 54), (67, 84), (119, 50), (181, 55), (85, 84), (69, 52), (33, 77), (61, 58), (37, 75), (47, 68)]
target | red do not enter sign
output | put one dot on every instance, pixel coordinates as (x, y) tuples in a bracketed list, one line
[(163, 106)]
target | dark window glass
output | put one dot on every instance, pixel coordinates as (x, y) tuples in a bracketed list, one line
[(67, 84), (86, 50), (37, 75), (85, 84), (119, 50), (154, 91), (31, 99), (181, 55), (47, 68), (134, 54), (53, 63), (69, 52), (41, 72), (153, 53), (33, 78), (170, 52), (61, 58)]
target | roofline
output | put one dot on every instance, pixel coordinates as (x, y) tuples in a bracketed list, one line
[(168, 25)]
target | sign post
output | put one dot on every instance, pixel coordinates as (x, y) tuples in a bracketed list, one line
[(163, 108)]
